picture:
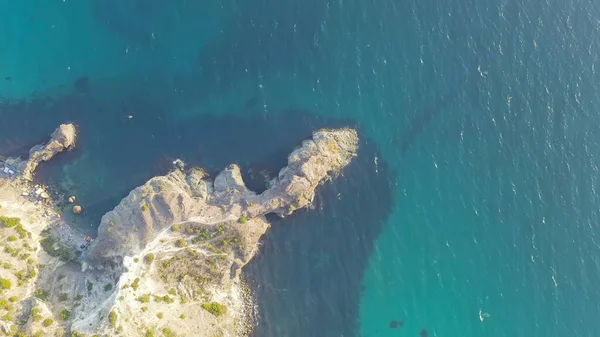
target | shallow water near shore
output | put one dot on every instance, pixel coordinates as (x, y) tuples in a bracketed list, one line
[(471, 209)]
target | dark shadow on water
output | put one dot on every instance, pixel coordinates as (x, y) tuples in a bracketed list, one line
[(307, 277)]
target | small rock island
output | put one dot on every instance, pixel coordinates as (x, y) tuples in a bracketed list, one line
[(167, 259)]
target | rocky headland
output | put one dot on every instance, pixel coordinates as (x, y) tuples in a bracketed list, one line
[(167, 259)]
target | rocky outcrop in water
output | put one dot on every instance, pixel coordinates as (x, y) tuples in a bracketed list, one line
[(195, 234), (185, 198), (167, 258), (62, 138)]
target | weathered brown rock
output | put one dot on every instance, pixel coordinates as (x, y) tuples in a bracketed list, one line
[(77, 209)]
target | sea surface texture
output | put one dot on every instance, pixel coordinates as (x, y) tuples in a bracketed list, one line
[(472, 208)]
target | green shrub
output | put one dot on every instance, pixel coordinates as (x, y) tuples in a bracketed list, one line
[(168, 332), (7, 265), (160, 315), (35, 313), (65, 314), (214, 308), (149, 258), (150, 333), (180, 243), (13, 299), (21, 231), (41, 294), (47, 322), (243, 219), (136, 283), (182, 316), (108, 287), (64, 252), (112, 318), (12, 238), (145, 207), (144, 309), (5, 283), (172, 291), (3, 303), (63, 297), (136, 260), (168, 299), (144, 298), (9, 222)]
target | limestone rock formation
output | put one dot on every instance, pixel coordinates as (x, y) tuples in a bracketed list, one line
[(62, 138), (181, 198), (194, 235), (167, 258)]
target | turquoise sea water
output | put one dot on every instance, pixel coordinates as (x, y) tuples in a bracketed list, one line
[(471, 209)]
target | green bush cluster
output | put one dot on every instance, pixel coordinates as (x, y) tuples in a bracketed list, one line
[(149, 258), (64, 252), (5, 283), (41, 294), (35, 313), (215, 308), (9, 222), (47, 322), (65, 314), (144, 298), (168, 332), (136, 283), (21, 231), (112, 318)]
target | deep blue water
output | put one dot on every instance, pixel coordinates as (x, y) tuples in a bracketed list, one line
[(475, 189)]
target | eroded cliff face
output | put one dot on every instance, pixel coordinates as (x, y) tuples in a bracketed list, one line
[(168, 257)]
